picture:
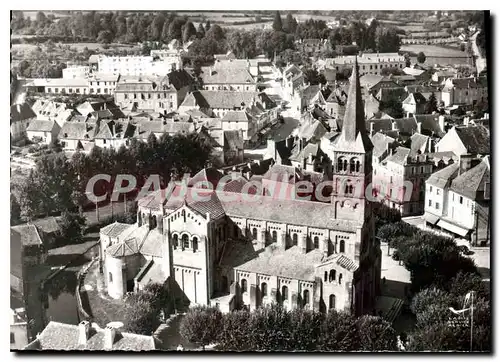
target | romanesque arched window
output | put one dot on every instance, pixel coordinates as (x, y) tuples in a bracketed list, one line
[(352, 165), (316, 242), (175, 240), (342, 246), (110, 277), (332, 301), (326, 276), (275, 236), (358, 166), (185, 241), (306, 297), (243, 286), (284, 293), (340, 278), (254, 233), (333, 275), (295, 239), (263, 290), (345, 165), (195, 244)]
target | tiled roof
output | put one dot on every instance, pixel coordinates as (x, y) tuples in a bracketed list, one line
[(28, 234), (430, 124), (116, 229), (474, 180), (290, 263), (41, 126), (152, 244), (405, 125), (380, 142), (124, 248), (310, 130), (180, 79), (289, 174), (418, 98), (77, 131), (443, 177), (238, 116), (61, 336), (463, 83), (222, 75), (310, 149), (20, 112), (220, 99), (476, 139)]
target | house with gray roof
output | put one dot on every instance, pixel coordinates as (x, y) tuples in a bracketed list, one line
[(457, 199), (414, 104), (20, 117), (41, 131), (466, 140), (88, 336)]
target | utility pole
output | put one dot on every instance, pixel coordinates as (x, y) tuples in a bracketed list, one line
[(471, 318)]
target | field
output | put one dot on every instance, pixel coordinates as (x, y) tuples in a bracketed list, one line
[(433, 50)]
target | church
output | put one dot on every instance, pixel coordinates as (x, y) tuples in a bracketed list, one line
[(229, 251)]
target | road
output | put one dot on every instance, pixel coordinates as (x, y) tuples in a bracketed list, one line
[(480, 61)]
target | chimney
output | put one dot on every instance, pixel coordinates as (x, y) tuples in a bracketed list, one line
[(109, 337), (431, 145), (441, 122), (394, 126), (83, 332), (464, 163), (466, 121), (372, 124), (212, 71), (419, 127), (208, 216), (114, 129)]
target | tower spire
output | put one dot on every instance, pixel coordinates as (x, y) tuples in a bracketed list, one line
[(353, 127)]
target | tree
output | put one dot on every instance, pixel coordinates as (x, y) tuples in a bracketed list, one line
[(29, 198), (201, 31), (290, 24), (188, 32), (421, 57), (201, 325), (407, 60), (234, 335), (339, 332), (428, 296), (105, 37), (139, 316), (207, 26), (15, 211), (376, 334), (277, 24), (431, 105), (215, 33), (72, 228)]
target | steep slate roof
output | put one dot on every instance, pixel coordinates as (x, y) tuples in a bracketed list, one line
[(474, 180), (416, 98), (209, 174), (77, 131), (463, 83), (354, 136), (220, 99), (418, 141), (115, 229), (20, 112), (179, 78), (38, 125), (310, 130), (380, 142), (29, 234), (400, 156), (61, 336), (476, 139), (152, 244), (238, 116), (443, 177), (430, 124)]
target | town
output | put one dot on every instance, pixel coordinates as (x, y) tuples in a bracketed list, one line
[(257, 181)]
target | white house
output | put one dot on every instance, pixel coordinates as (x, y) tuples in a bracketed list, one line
[(40, 131)]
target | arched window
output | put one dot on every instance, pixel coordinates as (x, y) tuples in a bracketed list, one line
[(332, 301), (284, 293), (243, 286), (333, 275), (254, 233), (184, 215), (295, 239), (185, 241), (263, 290), (195, 244), (352, 165), (110, 277), (340, 278), (306, 297), (358, 166), (326, 276), (342, 246), (176, 241), (316, 242), (345, 165), (275, 236)]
